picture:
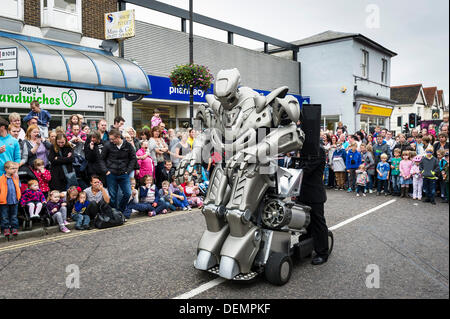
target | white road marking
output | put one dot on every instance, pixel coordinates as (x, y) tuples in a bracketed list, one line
[(220, 280), (345, 222), (201, 289)]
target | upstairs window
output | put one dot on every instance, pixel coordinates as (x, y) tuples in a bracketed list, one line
[(12, 9), (62, 14), (365, 64), (384, 71)]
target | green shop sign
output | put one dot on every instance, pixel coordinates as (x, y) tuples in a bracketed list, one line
[(55, 98)]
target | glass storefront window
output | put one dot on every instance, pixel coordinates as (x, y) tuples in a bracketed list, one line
[(143, 113)]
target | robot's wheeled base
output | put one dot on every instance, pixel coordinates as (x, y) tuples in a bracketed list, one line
[(278, 267)]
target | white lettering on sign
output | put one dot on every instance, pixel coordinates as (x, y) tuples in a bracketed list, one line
[(180, 90)]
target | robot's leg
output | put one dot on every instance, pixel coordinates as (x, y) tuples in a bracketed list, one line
[(242, 244), (208, 250)]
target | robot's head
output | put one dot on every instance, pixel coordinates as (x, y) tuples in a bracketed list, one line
[(226, 87)]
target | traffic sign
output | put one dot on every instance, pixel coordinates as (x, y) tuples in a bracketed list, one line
[(9, 71), (8, 63)]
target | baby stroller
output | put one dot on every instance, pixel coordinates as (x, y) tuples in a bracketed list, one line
[(27, 222), (25, 175)]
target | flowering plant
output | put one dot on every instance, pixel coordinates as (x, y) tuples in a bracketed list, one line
[(187, 75)]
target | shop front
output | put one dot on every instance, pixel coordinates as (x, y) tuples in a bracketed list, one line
[(173, 104), (370, 115), (68, 79), (60, 102)]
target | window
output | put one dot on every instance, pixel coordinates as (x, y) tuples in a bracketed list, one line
[(365, 64), (62, 14), (12, 9), (384, 71), (399, 121)]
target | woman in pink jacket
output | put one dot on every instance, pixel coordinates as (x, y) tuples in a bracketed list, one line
[(145, 161)]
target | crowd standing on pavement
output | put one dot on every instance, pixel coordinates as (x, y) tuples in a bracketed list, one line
[(413, 165), (71, 174)]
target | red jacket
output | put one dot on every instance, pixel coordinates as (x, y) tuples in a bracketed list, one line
[(43, 180)]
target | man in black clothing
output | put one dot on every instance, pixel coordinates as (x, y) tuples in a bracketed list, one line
[(313, 194), (92, 151), (119, 159), (165, 174)]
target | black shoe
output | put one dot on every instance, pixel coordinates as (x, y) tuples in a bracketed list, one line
[(87, 227), (433, 202), (319, 260), (426, 200), (79, 227)]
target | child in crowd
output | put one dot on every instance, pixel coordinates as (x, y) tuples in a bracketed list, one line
[(145, 161), (192, 191), (156, 120), (149, 195), (43, 175), (361, 179), (442, 162), (338, 162), (133, 204), (178, 196), (395, 172), (166, 196), (33, 199), (429, 166), (383, 175), (42, 116), (57, 209), (9, 199), (405, 173), (79, 212), (352, 162), (417, 178)]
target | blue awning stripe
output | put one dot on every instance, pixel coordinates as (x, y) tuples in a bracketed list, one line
[(33, 63), (69, 77), (121, 70), (86, 86), (95, 66)]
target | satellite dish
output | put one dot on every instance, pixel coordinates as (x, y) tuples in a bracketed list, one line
[(109, 45)]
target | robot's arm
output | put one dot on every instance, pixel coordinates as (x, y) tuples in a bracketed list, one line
[(280, 140)]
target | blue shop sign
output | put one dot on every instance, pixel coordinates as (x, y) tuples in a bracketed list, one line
[(162, 89)]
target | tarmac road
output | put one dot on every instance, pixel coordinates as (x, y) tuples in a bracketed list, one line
[(407, 240)]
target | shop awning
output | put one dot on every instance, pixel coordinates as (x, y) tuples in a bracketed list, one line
[(58, 64)]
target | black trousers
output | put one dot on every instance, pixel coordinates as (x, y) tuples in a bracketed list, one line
[(318, 229)]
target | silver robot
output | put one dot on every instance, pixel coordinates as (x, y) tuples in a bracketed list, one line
[(252, 226)]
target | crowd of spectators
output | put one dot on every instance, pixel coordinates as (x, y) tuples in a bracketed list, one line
[(411, 165), (69, 174)]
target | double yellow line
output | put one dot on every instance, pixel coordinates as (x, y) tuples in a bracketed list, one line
[(90, 232)]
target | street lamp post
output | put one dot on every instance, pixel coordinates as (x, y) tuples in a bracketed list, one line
[(191, 61)]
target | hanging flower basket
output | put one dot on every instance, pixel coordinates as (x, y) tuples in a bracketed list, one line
[(187, 75)]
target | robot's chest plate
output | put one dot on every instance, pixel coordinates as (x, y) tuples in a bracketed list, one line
[(240, 129)]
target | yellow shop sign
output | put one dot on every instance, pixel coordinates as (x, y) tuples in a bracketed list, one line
[(374, 110)]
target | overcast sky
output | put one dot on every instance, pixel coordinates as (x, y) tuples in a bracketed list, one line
[(417, 30)]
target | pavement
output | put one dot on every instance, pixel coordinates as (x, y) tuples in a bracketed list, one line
[(407, 240)]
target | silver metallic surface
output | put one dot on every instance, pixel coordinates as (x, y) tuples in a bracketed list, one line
[(205, 260), (228, 268), (250, 130)]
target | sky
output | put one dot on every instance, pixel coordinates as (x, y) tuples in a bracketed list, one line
[(417, 30)]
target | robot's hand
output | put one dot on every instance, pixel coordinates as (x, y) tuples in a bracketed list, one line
[(186, 164), (242, 160)]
